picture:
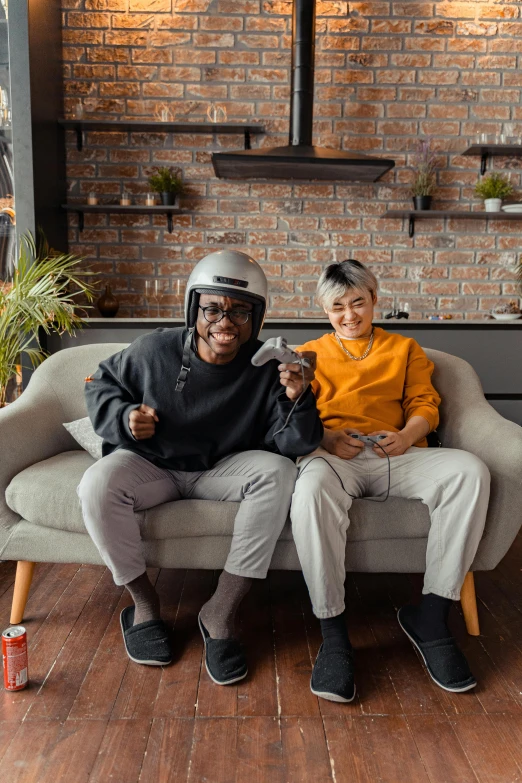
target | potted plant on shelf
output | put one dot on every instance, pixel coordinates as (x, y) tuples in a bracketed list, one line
[(425, 182), (492, 189), (168, 184), (42, 294)]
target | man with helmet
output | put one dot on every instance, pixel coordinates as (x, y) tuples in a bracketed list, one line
[(183, 413)]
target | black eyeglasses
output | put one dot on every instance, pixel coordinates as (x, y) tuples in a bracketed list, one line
[(214, 314)]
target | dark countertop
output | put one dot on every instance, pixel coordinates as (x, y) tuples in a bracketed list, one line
[(305, 323)]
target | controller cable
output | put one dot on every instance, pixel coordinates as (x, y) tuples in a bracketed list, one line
[(355, 497), (376, 443), (294, 406)]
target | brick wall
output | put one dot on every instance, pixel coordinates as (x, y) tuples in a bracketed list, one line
[(386, 72)]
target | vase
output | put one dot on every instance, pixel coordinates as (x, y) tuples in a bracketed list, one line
[(422, 202), (168, 199), (492, 204), (107, 304)]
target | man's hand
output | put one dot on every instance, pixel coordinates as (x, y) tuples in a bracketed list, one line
[(292, 377), (142, 422), (396, 443), (340, 444)]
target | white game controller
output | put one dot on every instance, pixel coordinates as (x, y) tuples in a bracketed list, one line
[(367, 439), (277, 348)]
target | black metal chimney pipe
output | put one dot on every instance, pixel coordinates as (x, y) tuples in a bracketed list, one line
[(300, 159), (302, 79)]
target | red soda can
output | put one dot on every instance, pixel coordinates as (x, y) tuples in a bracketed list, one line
[(14, 654)]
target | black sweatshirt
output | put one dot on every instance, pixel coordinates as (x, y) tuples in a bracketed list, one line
[(223, 409)]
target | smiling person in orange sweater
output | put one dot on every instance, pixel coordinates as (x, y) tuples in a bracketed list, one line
[(374, 383)]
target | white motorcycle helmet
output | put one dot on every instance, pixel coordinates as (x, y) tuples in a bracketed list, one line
[(228, 273)]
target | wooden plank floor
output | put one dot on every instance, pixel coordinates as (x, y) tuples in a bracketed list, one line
[(90, 714)]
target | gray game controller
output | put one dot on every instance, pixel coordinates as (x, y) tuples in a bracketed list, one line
[(277, 348), (366, 439)]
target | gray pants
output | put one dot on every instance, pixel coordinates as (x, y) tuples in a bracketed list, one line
[(117, 486), (452, 483)]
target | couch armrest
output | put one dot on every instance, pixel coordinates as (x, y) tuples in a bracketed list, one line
[(469, 422), (30, 431)]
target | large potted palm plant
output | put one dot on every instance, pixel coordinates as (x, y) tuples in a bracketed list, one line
[(42, 294)]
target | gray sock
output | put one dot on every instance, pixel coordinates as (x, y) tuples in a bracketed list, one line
[(146, 599), (218, 614)]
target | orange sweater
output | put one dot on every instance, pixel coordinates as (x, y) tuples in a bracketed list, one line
[(381, 392)]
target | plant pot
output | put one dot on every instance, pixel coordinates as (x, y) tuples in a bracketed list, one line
[(492, 204), (169, 199), (422, 202), (107, 304)]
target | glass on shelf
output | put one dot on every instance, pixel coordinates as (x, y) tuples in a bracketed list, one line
[(92, 198), (163, 113), (160, 289), (513, 133), (177, 290), (483, 138), (78, 110), (150, 200), (149, 294), (125, 199), (216, 113), (155, 290)]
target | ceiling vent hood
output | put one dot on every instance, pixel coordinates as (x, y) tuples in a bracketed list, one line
[(300, 159)]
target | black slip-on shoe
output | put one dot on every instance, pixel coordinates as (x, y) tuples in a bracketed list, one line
[(146, 643), (444, 662), (225, 660), (332, 675)]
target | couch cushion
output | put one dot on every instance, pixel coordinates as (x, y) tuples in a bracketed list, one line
[(45, 494)]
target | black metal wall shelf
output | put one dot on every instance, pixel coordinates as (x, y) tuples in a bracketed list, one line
[(434, 214), (493, 150), (140, 209), (151, 126)]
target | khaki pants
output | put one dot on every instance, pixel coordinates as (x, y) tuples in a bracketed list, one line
[(116, 488), (452, 483)]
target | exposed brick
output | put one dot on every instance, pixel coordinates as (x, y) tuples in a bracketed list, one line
[(108, 55), (457, 10), (119, 89), (151, 6), (177, 22), (439, 288), (412, 9), (478, 28), (496, 11), (81, 71), (85, 21), (105, 5), (368, 98), (393, 26), (127, 38), (82, 37), (213, 39), (467, 45), (435, 27)]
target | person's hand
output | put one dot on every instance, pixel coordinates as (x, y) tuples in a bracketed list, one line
[(142, 422), (340, 444), (396, 443), (292, 377)]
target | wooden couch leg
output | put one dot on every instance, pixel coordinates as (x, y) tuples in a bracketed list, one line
[(24, 577), (468, 601)]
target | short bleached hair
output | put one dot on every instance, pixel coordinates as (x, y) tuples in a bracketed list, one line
[(341, 277)]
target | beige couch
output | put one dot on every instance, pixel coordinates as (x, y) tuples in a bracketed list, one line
[(41, 466)]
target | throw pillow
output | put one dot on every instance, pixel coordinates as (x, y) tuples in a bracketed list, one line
[(83, 433)]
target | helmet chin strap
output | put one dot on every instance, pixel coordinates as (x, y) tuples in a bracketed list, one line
[(185, 361)]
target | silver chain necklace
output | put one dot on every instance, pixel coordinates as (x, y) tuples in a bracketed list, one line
[(347, 352)]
